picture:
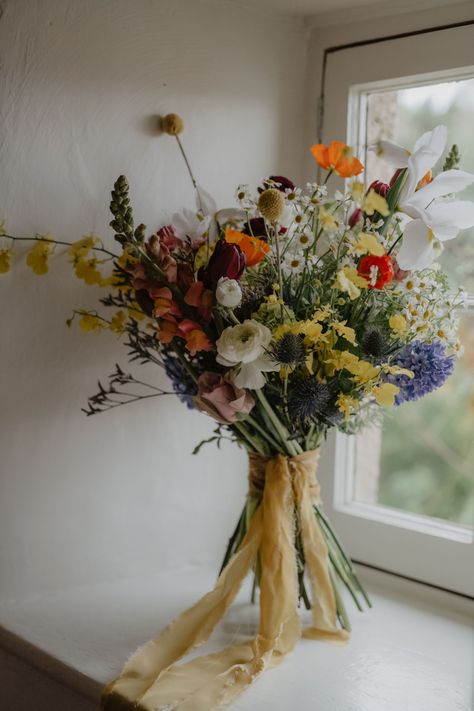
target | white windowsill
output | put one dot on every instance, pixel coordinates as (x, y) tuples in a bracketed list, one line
[(413, 651)]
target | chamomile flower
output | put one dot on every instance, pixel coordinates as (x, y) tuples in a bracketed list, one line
[(293, 263), (300, 220), (244, 197), (304, 239), (293, 194)]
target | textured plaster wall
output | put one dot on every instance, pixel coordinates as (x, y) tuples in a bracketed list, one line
[(84, 499)]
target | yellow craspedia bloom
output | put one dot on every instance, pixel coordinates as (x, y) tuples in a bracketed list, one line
[(271, 204), (5, 260), (172, 124), (38, 257)]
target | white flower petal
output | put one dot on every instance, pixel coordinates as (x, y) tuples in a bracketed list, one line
[(447, 217), (232, 215), (428, 150), (450, 181), (435, 140), (393, 154), (416, 251), (251, 374)]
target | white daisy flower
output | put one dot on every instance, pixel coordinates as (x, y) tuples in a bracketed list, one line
[(293, 194), (293, 263), (304, 239), (244, 197)]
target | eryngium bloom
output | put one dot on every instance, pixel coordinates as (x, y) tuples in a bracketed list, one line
[(373, 342), (308, 398), (289, 350), (430, 365)]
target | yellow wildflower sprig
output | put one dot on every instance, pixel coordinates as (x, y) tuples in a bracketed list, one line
[(43, 247), (93, 322)]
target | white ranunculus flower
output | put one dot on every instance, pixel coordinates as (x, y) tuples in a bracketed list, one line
[(243, 343), (228, 292)]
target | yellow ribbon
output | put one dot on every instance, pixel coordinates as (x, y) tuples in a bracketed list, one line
[(152, 680)]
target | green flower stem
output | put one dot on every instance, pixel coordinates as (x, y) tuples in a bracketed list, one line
[(341, 608), (292, 448), (253, 441), (302, 590), (329, 534), (264, 433), (339, 569), (233, 540), (191, 175)]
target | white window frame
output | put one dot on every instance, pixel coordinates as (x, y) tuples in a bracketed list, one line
[(436, 552)]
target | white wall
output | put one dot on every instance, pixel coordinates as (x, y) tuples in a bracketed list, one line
[(85, 499)]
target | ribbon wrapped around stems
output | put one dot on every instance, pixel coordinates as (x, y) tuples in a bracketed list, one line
[(152, 679)]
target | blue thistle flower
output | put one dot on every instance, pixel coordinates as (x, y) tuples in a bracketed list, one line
[(289, 350), (429, 363), (308, 399), (182, 383)]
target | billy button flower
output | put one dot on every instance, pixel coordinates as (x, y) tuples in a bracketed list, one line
[(227, 260), (377, 270), (337, 158)]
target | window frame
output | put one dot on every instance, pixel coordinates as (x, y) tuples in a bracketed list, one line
[(423, 548)]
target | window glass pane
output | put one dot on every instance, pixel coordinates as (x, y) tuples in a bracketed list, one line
[(422, 459), (402, 116)]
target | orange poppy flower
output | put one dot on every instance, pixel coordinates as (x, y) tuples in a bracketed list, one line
[(253, 248), (338, 158)]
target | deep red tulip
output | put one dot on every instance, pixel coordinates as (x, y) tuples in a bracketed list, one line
[(227, 260)]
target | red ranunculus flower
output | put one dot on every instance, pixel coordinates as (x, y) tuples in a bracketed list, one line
[(384, 273), (227, 260)]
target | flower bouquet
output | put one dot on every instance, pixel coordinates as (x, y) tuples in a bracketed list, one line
[(287, 316)]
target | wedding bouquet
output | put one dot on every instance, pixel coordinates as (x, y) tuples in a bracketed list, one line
[(291, 314)]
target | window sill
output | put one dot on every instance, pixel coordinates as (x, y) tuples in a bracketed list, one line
[(414, 649)]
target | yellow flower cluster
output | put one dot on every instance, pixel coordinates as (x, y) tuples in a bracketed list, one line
[(320, 337), (38, 257)]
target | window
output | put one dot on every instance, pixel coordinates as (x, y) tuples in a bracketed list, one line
[(402, 495)]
